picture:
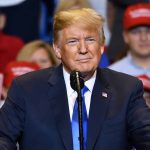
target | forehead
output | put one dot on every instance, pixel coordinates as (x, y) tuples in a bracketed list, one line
[(80, 30), (140, 27)]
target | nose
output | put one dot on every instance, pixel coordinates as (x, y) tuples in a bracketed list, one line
[(83, 47)]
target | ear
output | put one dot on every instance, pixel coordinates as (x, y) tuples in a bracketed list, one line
[(57, 50), (102, 49)]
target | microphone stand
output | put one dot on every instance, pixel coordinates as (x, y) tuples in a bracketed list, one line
[(77, 83), (80, 120)]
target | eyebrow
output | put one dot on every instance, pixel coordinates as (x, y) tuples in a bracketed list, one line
[(70, 38), (89, 36)]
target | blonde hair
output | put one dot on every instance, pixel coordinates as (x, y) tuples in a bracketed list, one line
[(71, 4), (87, 17), (26, 52)]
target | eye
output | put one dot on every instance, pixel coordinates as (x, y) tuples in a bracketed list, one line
[(135, 31), (72, 42), (139, 30), (44, 60), (148, 30), (90, 40)]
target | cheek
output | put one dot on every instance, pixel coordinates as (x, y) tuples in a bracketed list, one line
[(134, 46), (131, 42), (49, 63), (97, 54), (133, 39), (67, 55), (35, 60), (129, 38)]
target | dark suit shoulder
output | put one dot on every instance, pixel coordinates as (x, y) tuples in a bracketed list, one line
[(41, 75), (33, 82), (119, 79), (30, 85)]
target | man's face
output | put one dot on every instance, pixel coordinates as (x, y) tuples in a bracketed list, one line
[(79, 49), (138, 40)]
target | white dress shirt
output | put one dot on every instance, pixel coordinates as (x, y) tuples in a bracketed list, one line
[(72, 95)]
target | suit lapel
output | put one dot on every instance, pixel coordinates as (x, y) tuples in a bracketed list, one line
[(98, 108), (59, 103), (99, 105)]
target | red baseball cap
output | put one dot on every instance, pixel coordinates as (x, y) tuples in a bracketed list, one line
[(17, 68), (145, 80), (137, 14)]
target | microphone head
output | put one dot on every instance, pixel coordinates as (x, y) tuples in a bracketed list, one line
[(76, 80)]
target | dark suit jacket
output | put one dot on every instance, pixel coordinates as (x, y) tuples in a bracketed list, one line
[(36, 113)]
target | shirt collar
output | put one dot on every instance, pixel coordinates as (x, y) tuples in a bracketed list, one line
[(89, 83)]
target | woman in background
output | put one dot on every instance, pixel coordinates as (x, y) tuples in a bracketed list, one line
[(39, 52)]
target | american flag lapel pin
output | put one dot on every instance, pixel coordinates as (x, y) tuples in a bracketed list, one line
[(104, 94)]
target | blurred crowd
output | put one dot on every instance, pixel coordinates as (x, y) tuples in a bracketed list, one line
[(26, 36)]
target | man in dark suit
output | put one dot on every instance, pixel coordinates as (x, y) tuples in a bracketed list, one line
[(39, 108)]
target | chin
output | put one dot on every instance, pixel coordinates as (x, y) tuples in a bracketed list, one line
[(84, 70), (87, 71)]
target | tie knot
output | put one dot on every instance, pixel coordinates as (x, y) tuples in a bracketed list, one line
[(84, 90)]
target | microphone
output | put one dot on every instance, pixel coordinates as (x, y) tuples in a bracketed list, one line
[(76, 81)]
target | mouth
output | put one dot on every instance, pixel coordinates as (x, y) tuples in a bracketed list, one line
[(144, 45), (83, 60)]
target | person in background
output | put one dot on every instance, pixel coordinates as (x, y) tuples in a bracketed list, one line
[(9, 45), (29, 19), (1, 87), (46, 20), (104, 62), (115, 11), (40, 109), (15, 69), (39, 52), (23, 19), (146, 82), (136, 34), (73, 4)]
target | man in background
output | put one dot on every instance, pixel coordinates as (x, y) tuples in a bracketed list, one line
[(146, 82), (136, 34), (115, 12)]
